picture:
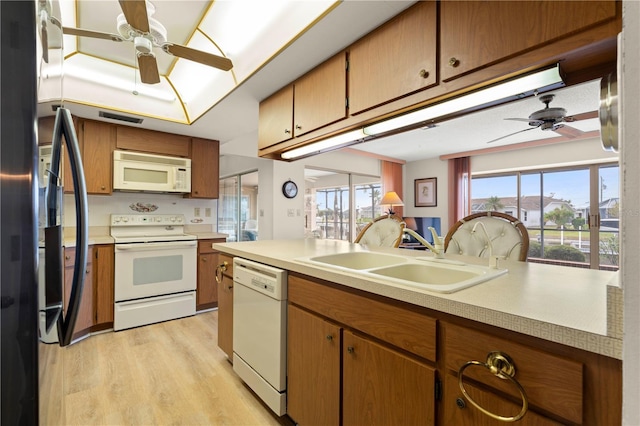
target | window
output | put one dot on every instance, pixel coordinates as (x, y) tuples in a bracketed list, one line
[(571, 220), (330, 198), (238, 207)]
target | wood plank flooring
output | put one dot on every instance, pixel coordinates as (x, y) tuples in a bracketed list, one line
[(161, 374)]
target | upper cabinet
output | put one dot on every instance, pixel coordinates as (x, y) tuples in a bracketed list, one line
[(475, 34), (205, 168), (98, 142), (315, 100), (395, 60), (143, 140)]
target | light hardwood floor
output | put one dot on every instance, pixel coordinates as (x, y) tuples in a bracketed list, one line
[(167, 373)]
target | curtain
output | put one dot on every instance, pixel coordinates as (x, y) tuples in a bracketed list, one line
[(459, 188), (391, 180)]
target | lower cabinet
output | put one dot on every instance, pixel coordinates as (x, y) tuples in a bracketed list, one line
[(85, 318), (224, 279), (207, 288), (359, 358), (103, 269), (338, 374)]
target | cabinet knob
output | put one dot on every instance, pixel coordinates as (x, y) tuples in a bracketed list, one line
[(454, 62), (424, 73), (460, 403), (287, 131), (329, 337), (351, 349), (103, 187), (67, 257), (204, 259), (298, 127)]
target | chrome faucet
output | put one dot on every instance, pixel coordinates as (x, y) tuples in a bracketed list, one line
[(493, 260), (438, 242)]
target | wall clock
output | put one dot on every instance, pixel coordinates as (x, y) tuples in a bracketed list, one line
[(290, 189)]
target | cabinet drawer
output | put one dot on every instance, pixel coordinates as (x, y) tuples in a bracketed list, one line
[(70, 256), (551, 383), (458, 411), (406, 329), (229, 261), (206, 246)]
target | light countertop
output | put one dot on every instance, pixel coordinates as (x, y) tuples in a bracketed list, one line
[(572, 306)]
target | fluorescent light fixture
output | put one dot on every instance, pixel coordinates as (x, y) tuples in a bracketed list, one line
[(509, 90), (323, 145)]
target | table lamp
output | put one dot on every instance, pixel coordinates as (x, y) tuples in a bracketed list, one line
[(391, 199)]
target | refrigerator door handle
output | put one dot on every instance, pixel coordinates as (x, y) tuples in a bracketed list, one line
[(63, 127)]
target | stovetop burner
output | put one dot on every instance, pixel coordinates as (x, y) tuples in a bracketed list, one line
[(135, 228)]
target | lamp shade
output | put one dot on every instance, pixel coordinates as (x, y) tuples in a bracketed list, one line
[(391, 199)]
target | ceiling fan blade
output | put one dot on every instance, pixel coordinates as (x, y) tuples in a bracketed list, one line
[(568, 131), (526, 120), (148, 69), (198, 56), (135, 11), (511, 134), (90, 33), (583, 116)]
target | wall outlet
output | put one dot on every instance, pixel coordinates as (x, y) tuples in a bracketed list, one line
[(196, 211), (207, 211)]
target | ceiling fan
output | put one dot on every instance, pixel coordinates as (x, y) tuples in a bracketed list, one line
[(136, 25), (552, 119)]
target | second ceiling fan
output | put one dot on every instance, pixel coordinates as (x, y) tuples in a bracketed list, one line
[(552, 119), (136, 25)]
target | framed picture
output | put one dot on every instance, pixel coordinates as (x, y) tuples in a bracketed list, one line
[(426, 194)]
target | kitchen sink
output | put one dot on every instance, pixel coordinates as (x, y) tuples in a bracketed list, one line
[(442, 278), (438, 275), (358, 260)]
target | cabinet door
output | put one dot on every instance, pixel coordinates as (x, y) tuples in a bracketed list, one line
[(103, 267), (225, 315), (313, 369), (384, 387), (207, 289), (205, 168), (480, 33), (458, 411), (98, 146), (395, 60), (320, 96), (275, 122), (153, 142), (84, 320)]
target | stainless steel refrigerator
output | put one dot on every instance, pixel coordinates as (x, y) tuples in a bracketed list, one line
[(19, 215)]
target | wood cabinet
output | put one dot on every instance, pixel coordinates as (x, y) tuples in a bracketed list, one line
[(205, 168), (98, 142), (142, 140), (207, 288), (224, 272), (475, 34), (395, 60), (104, 274), (396, 363), (314, 100), (85, 320), (362, 344)]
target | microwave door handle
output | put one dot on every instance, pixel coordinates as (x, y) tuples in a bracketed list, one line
[(67, 323)]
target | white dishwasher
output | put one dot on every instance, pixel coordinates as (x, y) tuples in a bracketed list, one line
[(260, 330)]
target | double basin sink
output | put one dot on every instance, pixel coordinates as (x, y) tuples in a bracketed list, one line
[(426, 273)]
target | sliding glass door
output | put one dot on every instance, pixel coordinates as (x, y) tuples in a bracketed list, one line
[(238, 207)]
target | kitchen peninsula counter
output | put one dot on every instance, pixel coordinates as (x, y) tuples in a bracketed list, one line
[(581, 308)]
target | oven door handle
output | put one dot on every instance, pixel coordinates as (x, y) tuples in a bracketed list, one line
[(165, 245)]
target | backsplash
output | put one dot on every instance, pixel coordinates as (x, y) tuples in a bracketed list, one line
[(196, 212)]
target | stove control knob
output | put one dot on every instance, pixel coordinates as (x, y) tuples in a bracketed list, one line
[(116, 219), (173, 219), (158, 219), (125, 219), (179, 219)]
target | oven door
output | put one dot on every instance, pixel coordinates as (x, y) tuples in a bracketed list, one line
[(154, 269)]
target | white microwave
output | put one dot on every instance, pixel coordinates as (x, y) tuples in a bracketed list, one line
[(135, 171)]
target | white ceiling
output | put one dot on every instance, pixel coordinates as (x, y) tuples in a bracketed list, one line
[(236, 116)]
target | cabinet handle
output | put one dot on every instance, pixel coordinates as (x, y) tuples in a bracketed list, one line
[(454, 62), (298, 127), (350, 349), (287, 131), (67, 257), (103, 187), (424, 73), (204, 259), (230, 287), (220, 269), (329, 337), (500, 365)]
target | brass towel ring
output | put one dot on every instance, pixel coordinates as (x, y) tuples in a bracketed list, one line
[(501, 365), (220, 269)]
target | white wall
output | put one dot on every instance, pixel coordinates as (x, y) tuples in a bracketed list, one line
[(629, 89)]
